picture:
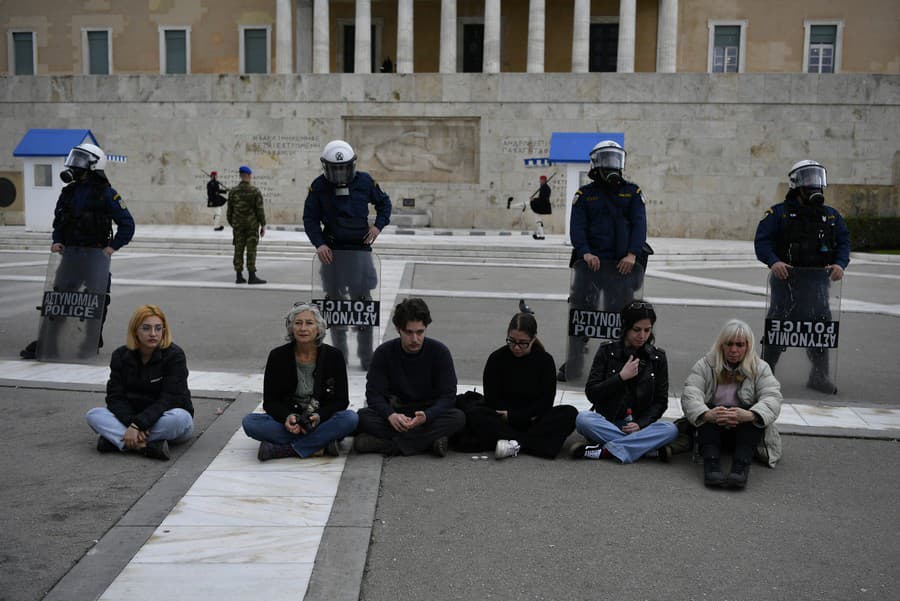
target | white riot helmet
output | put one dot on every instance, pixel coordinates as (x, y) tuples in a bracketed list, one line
[(339, 162), (87, 157), (607, 162), (807, 174)]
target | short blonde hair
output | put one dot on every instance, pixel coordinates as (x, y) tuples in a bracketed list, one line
[(138, 317), (735, 329)]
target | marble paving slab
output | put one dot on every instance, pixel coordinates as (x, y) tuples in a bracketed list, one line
[(830, 417), (879, 419), (245, 460), (255, 510), (228, 483)]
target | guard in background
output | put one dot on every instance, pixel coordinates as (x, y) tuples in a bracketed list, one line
[(803, 232), (608, 224), (336, 217), (540, 204), (215, 198), (85, 211), (247, 218)]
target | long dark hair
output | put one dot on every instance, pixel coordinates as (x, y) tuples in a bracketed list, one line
[(635, 311), (525, 322)]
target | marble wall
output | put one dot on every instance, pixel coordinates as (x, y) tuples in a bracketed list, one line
[(711, 152)]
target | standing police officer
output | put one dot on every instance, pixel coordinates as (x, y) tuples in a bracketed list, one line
[(247, 218), (608, 224), (803, 232), (85, 211), (336, 217)]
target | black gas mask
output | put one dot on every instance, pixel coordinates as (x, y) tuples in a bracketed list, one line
[(812, 197), (73, 174)]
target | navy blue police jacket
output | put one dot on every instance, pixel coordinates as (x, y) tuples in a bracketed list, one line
[(342, 221), (770, 230), (83, 214), (608, 221)]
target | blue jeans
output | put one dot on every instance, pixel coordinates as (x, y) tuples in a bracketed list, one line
[(627, 448), (175, 425), (264, 428)]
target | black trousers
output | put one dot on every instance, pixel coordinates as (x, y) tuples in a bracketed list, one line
[(544, 437), (416, 440), (743, 438)]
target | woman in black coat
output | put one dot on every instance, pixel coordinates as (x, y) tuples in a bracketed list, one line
[(305, 396), (148, 404)]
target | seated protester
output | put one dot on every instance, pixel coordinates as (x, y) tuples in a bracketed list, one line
[(410, 390), (629, 389), (305, 396), (519, 390), (148, 404), (732, 398)]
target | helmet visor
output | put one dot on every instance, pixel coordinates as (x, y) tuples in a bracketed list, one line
[(80, 159), (339, 174), (809, 176), (608, 158)]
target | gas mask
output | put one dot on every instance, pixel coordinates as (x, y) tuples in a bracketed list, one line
[(813, 197), (72, 174)]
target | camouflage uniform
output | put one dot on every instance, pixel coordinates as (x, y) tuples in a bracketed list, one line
[(245, 216)]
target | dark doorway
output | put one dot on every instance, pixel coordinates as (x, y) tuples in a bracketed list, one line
[(473, 47), (604, 47), (350, 49)]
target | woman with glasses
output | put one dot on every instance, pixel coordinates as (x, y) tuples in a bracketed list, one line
[(733, 399), (148, 404), (628, 388), (519, 390), (305, 396)]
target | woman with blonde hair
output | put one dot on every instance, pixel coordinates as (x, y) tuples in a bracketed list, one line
[(733, 399), (148, 404)]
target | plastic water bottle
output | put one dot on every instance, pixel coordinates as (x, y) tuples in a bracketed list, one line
[(628, 417)]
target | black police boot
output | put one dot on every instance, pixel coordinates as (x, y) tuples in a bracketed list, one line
[(30, 351), (255, 280), (240, 278), (818, 375)]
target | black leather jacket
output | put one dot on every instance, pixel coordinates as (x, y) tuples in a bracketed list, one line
[(280, 381), (647, 394)]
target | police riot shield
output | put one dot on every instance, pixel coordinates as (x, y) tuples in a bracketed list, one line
[(802, 327), (75, 297), (348, 292), (596, 299)]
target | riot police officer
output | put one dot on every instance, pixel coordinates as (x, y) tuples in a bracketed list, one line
[(608, 224), (336, 217), (803, 232), (85, 211), (247, 217)]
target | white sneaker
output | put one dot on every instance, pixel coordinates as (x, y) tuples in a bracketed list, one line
[(593, 451), (506, 448)]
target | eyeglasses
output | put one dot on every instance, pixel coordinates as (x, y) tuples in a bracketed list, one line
[(519, 343), (640, 305), (147, 328)]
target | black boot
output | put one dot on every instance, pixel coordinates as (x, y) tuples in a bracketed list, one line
[(818, 375), (239, 279), (255, 280), (712, 472), (740, 471)]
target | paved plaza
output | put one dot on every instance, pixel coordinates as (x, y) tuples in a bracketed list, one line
[(214, 523)]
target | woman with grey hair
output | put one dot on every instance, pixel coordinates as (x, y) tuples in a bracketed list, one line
[(305, 395), (733, 399)]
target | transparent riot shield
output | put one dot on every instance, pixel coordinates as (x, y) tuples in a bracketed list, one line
[(73, 304), (803, 318), (348, 291), (596, 299)]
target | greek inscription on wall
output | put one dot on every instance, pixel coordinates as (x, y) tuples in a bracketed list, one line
[(276, 145), (420, 150), (530, 147)]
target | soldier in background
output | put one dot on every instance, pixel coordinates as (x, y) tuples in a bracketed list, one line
[(247, 219), (215, 198), (540, 204)]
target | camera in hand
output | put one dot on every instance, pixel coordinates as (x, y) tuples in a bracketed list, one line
[(303, 421)]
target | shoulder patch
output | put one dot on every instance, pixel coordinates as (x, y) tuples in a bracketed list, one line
[(577, 196), (118, 200)]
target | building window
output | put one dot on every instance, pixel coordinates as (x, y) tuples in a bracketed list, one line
[(255, 49), (22, 53), (470, 45), (822, 46), (43, 176), (174, 50), (727, 40), (603, 46), (97, 56)]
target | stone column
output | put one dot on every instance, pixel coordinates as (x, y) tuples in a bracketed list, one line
[(667, 37), (362, 47), (581, 30), (537, 15), (304, 36), (627, 18), (321, 44), (448, 36), (404, 36), (284, 62), (491, 62)]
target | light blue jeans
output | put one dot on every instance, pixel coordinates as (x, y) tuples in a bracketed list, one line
[(264, 428), (627, 448), (175, 425)]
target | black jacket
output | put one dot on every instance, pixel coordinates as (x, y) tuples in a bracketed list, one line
[(280, 382), (139, 394), (647, 394)]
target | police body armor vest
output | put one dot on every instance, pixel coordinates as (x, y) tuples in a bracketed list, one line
[(93, 224), (807, 237)]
